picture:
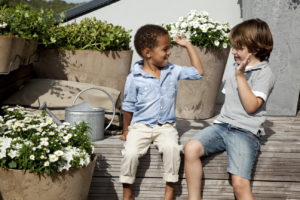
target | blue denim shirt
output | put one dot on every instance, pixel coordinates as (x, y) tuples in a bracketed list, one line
[(153, 101)]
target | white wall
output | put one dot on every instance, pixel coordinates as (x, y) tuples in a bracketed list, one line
[(132, 14)]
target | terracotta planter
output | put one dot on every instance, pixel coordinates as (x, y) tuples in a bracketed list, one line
[(20, 185), (109, 68), (196, 99), (11, 49)]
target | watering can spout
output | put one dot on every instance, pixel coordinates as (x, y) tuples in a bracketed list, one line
[(55, 119)]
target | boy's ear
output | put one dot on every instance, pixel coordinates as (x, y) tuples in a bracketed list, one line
[(146, 53)]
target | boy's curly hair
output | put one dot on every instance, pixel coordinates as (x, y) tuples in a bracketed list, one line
[(254, 34), (146, 37)]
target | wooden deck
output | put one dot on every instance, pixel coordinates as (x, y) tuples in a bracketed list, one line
[(276, 174)]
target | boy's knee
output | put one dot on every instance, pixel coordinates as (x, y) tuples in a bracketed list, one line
[(193, 150), (240, 185), (171, 148), (130, 154)]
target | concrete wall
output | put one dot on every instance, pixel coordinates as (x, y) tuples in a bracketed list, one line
[(283, 18), (132, 14)]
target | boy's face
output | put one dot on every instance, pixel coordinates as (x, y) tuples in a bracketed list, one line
[(239, 54), (159, 54)]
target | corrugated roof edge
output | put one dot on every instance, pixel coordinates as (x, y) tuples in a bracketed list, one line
[(86, 8)]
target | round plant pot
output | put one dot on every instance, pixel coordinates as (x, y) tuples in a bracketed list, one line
[(11, 50), (29, 52), (196, 99), (20, 185), (108, 68)]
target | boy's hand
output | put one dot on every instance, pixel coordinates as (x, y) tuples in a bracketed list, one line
[(241, 68), (124, 135), (181, 41)]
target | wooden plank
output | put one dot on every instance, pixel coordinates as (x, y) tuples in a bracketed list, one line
[(212, 189)]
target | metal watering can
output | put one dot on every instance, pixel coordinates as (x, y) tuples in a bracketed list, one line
[(94, 117)]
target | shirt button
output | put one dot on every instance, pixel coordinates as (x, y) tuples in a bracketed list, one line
[(161, 107)]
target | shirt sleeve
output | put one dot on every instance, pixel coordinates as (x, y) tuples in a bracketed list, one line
[(263, 85), (188, 73), (130, 94)]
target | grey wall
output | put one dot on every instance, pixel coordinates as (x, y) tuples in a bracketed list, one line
[(283, 18)]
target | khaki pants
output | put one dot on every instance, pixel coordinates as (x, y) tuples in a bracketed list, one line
[(139, 138)]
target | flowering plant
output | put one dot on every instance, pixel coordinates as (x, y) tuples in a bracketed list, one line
[(34, 142), (201, 30)]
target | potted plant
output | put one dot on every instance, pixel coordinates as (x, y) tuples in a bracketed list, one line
[(41, 160), (196, 99), (91, 51), (20, 31)]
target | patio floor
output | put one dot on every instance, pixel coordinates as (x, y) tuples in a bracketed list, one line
[(276, 174)]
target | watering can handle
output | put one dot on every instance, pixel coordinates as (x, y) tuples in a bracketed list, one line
[(97, 88)]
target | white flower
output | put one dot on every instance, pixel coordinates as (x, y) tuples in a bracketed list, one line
[(224, 45), (53, 158), (196, 24), (204, 28), (59, 153), (51, 133), (183, 25), (5, 142), (44, 143), (13, 153), (217, 43), (46, 164), (204, 13), (32, 157), (43, 124), (69, 136)]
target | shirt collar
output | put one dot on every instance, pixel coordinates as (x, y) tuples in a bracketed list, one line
[(137, 68), (259, 66)]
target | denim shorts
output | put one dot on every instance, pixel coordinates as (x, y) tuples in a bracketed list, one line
[(241, 145)]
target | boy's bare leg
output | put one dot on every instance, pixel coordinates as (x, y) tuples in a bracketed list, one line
[(193, 168), (127, 192), (242, 188), (169, 191)]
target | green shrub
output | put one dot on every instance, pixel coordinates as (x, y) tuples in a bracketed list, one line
[(21, 21), (89, 34), (43, 27)]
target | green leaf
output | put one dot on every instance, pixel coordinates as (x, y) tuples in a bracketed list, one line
[(12, 165)]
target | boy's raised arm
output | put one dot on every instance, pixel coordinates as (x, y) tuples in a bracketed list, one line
[(250, 102), (195, 60)]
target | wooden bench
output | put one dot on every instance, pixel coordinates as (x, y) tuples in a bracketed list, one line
[(276, 174)]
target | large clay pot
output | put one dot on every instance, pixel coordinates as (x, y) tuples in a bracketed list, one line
[(197, 99), (29, 52), (11, 50), (109, 68), (20, 185)]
